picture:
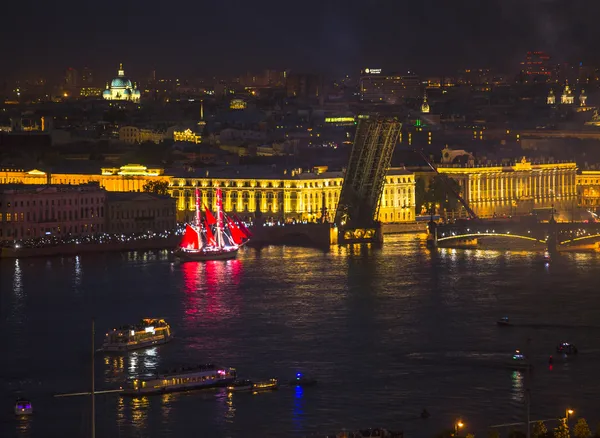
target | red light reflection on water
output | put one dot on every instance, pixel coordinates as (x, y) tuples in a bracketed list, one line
[(211, 289)]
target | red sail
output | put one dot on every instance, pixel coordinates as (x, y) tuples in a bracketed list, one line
[(190, 239), (236, 234), (242, 226), (210, 238), (210, 219)]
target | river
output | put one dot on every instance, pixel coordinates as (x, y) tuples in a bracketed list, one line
[(387, 332)]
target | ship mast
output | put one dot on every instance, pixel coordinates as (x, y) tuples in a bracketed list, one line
[(198, 219), (219, 219)]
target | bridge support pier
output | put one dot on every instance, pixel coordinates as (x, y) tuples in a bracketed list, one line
[(432, 237)]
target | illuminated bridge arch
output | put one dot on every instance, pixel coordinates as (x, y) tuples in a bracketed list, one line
[(579, 239), (503, 235)]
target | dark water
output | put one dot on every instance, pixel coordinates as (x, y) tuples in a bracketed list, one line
[(387, 333)]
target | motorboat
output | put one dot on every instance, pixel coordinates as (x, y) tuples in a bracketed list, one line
[(250, 386), (566, 349), (240, 385), (302, 380), (519, 362), (503, 322), (23, 407)]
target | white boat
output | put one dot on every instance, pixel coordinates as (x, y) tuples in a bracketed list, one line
[(184, 379), (23, 407), (212, 238), (149, 332)]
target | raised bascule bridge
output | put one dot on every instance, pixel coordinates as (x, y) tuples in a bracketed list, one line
[(358, 207)]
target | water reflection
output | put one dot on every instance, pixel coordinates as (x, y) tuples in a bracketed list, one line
[(298, 412), (208, 289), (165, 408), (78, 273), (24, 424), (139, 411), (226, 406), (518, 387)]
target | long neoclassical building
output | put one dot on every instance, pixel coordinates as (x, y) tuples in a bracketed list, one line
[(247, 191), (517, 188)]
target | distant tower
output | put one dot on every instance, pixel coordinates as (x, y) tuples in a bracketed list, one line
[(201, 123), (551, 98), (582, 98), (567, 97), (425, 105)]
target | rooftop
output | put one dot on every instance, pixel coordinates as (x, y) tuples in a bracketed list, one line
[(51, 188)]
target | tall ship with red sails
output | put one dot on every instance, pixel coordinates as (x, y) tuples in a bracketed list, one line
[(213, 238)]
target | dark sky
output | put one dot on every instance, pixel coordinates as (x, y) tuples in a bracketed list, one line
[(195, 38)]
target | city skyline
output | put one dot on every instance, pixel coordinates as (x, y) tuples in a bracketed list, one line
[(333, 38)]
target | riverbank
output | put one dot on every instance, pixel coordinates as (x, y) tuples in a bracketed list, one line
[(71, 249)]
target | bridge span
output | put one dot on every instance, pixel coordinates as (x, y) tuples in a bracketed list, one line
[(551, 235)]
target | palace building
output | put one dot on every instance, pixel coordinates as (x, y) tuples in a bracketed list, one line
[(249, 192), (519, 188)]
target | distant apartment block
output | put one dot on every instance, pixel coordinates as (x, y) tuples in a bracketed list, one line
[(376, 87)]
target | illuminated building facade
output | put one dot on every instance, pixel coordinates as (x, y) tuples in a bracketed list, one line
[(187, 135), (567, 97), (121, 88), (300, 196), (551, 100), (238, 104), (31, 211), (588, 189), (516, 189), (133, 134), (90, 92)]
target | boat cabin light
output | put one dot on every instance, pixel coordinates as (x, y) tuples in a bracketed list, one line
[(150, 329)]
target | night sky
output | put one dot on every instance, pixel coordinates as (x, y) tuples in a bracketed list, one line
[(197, 38)]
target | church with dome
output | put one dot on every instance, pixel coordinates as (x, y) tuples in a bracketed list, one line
[(121, 88)]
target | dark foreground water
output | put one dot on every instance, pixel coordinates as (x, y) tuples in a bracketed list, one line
[(387, 333)]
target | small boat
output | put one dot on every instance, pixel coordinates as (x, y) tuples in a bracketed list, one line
[(250, 386), (302, 380), (23, 407), (240, 385), (519, 362), (184, 379), (148, 333), (503, 322), (566, 349)]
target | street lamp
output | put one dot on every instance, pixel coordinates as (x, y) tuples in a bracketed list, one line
[(458, 425), (568, 412)]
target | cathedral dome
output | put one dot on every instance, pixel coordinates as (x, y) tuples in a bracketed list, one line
[(120, 82), (106, 94)]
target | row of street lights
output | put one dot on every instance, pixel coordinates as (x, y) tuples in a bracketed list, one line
[(459, 424)]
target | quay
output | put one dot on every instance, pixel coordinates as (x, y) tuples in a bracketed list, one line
[(71, 249)]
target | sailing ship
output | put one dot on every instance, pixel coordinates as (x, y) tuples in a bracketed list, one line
[(213, 238)]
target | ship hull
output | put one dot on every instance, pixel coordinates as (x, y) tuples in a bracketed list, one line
[(177, 388), (201, 256), (115, 348)]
